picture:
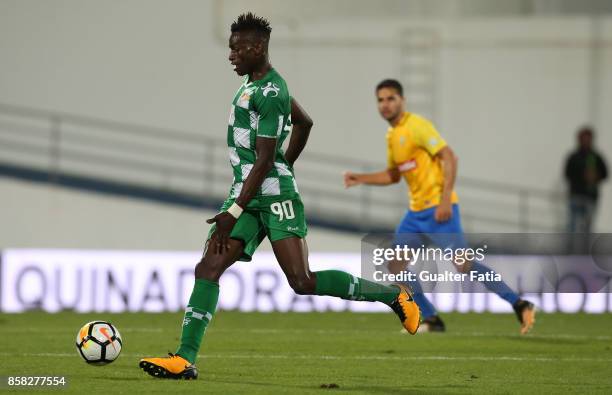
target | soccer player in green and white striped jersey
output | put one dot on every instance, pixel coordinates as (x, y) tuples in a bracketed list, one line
[(263, 202)]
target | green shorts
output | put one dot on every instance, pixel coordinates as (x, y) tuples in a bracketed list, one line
[(277, 218)]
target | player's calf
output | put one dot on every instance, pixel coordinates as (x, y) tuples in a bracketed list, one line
[(302, 284)]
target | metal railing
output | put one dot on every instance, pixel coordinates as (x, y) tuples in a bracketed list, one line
[(192, 164)]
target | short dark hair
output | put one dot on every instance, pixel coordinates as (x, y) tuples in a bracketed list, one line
[(252, 22), (391, 83)]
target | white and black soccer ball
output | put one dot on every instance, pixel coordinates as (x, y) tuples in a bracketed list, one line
[(98, 342)]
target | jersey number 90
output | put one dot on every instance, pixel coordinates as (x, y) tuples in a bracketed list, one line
[(284, 210)]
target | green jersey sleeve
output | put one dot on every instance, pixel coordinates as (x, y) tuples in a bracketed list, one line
[(271, 103)]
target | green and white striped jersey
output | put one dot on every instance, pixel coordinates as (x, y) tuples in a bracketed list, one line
[(260, 108)]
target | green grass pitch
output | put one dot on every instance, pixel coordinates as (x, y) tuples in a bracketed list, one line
[(295, 353)]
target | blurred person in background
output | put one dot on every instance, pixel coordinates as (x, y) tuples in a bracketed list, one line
[(585, 169)]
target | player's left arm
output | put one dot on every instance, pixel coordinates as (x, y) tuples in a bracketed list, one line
[(302, 123), (428, 138), (603, 169), (449, 160)]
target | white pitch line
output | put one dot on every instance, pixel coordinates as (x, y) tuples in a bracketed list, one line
[(64, 330), (568, 336), (351, 357), (271, 331), (446, 334)]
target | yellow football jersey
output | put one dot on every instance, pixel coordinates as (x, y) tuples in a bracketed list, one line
[(411, 148)]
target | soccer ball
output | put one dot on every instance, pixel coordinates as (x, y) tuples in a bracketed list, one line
[(98, 342)]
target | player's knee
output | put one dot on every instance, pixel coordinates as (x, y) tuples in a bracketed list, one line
[(209, 269), (301, 284)]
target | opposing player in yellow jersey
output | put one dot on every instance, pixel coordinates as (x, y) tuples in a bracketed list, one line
[(417, 152)]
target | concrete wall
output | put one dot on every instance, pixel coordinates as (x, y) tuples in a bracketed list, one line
[(43, 216)]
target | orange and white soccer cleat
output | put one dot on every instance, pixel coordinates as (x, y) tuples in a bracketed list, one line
[(406, 309), (171, 367)]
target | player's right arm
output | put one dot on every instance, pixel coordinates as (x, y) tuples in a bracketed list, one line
[(271, 120), (385, 177), (265, 148)]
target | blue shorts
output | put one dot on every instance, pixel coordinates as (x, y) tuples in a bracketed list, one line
[(421, 227)]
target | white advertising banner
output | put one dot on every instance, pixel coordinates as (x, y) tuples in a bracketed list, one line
[(154, 281)]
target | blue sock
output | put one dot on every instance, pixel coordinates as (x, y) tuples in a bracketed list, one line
[(499, 287), (427, 309)]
